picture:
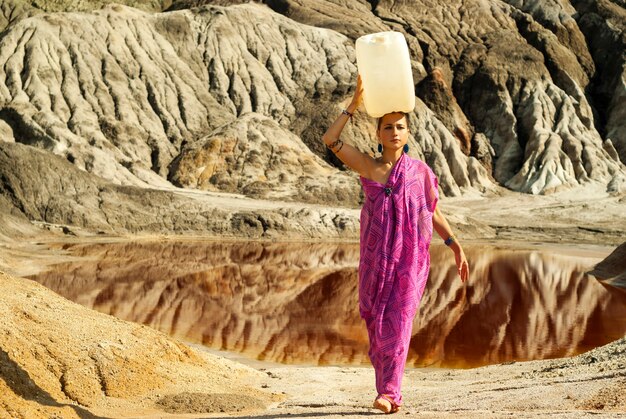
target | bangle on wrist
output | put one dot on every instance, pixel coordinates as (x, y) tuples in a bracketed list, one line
[(345, 112), (334, 144), (449, 240)]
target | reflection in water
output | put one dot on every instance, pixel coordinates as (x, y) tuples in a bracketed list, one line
[(297, 303)]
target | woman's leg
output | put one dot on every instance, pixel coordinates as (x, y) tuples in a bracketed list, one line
[(389, 345)]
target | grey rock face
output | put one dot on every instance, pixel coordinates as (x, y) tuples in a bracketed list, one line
[(123, 105), (490, 53), (111, 92), (604, 24), (550, 27), (438, 96), (14, 10), (561, 150), (38, 186), (84, 87), (500, 80), (349, 17), (257, 156)]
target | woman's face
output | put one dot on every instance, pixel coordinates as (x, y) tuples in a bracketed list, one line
[(394, 131)]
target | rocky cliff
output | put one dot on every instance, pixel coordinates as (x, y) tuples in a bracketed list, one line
[(49, 190), (225, 97)]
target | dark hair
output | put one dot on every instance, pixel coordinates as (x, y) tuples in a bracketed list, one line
[(406, 118)]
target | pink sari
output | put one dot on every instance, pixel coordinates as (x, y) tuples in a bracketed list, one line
[(396, 229)]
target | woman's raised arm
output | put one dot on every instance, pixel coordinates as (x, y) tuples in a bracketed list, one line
[(349, 155)]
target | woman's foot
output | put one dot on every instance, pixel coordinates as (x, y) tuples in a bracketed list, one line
[(385, 405)]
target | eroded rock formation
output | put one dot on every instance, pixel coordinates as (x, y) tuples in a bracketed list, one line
[(232, 97), (47, 189), (258, 157)]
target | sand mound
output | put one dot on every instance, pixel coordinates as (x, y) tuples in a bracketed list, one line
[(58, 358)]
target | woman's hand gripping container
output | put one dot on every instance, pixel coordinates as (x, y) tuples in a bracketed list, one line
[(384, 64)]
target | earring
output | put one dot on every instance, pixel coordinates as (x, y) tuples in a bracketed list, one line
[(380, 148), (406, 148)]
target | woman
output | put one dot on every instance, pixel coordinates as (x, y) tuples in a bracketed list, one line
[(397, 219)]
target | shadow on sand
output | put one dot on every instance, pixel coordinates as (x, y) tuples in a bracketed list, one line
[(23, 386)]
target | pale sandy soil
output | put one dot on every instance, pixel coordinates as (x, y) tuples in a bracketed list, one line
[(590, 385), (531, 389)]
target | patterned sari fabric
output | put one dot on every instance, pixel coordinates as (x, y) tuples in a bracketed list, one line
[(396, 229)]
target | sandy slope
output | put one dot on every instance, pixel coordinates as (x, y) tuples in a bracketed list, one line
[(60, 359)]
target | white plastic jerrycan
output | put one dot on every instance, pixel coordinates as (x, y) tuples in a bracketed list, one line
[(384, 64)]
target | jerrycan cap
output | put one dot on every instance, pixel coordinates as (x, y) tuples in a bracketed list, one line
[(379, 37)]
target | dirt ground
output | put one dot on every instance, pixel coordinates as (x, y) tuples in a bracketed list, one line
[(589, 385)]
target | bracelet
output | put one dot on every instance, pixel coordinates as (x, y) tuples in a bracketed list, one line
[(336, 143), (345, 112), (449, 240)]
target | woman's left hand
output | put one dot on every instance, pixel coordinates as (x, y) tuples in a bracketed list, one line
[(358, 95), (461, 264)]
